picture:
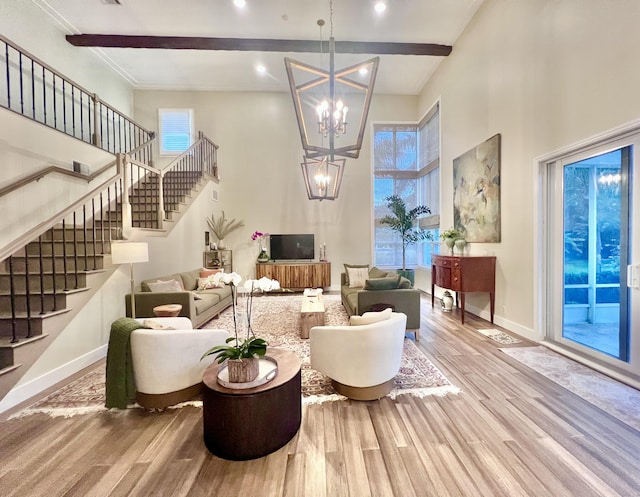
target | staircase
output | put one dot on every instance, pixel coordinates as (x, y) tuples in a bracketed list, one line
[(49, 273), (39, 282)]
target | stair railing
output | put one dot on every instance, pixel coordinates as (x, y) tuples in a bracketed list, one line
[(36, 90)]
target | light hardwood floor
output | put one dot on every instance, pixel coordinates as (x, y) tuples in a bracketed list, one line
[(511, 432)]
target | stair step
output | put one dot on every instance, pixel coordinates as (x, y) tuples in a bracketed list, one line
[(7, 349), (62, 282), (79, 263), (22, 323), (8, 369)]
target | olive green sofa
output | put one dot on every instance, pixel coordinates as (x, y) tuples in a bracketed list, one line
[(405, 299), (199, 306)]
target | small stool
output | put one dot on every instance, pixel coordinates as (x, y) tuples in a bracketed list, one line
[(167, 310)]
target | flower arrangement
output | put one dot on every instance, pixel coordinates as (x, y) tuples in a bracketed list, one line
[(451, 233), (249, 347), (260, 236)]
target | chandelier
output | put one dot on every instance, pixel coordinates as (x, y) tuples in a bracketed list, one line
[(322, 177), (323, 98)]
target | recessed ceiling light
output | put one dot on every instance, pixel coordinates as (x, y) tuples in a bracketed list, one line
[(241, 4), (363, 71), (380, 7), (260, 69)]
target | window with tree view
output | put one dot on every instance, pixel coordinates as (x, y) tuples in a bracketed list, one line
[(395, 168), (406, 164)]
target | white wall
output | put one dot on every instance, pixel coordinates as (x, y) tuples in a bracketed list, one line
[(544, 74), (261, 180)]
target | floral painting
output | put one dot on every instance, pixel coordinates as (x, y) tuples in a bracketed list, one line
[(476, 192)]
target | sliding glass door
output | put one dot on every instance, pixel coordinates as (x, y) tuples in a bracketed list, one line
[(593, 307)]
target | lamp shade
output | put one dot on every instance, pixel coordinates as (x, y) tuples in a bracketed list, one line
[(129, 252)]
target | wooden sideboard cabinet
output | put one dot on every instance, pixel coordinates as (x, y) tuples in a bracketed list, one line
[(297, 275), (465, 274)]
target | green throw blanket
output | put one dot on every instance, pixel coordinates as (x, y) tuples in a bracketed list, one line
[(120, 384)]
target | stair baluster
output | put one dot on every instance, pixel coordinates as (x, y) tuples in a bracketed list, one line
[(41, 264), (65, 270)]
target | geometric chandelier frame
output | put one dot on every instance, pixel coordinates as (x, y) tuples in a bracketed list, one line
[(312, 85), (322, 177)]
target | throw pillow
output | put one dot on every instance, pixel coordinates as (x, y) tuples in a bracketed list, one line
[(386, 283), (346, 270), (166, 286), (209, 272), (154, 325), (404, 283), (195, 296), (370, 317), (375, 272), (357, 276), (208, 282)]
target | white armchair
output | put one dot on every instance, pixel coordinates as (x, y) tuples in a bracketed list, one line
[(166, 362), (360, 360)]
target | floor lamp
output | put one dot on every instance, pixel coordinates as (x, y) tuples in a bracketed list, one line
[(130, 252)]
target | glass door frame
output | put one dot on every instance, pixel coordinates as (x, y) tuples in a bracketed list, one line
[(549, 291)]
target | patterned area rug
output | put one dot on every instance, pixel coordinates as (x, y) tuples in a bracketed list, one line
[(499, 336), (275, 318), (615, 398)]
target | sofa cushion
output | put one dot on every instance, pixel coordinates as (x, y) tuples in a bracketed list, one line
[(208, 301), (386, 283), (165, 286), (210, 272), (208, 283), (346, 270), (144, 284), (370, 317), (357, 276), (404, 283), (375, 272)]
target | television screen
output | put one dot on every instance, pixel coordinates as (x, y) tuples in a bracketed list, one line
[(292, 247)]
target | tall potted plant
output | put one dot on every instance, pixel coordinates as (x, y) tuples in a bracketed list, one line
[(403, 222)]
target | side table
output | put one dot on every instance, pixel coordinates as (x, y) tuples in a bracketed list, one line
[(167, 310), (251, 423)]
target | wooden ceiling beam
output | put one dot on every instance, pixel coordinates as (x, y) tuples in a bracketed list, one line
[(256, 45)]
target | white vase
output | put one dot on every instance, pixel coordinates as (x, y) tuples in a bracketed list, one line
[(221, 245), (447, 302)]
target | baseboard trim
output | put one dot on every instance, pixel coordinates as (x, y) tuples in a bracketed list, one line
[(24, 392)]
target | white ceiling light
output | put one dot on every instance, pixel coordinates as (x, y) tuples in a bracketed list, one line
[(260, 69), (241, 4), (380, 7)]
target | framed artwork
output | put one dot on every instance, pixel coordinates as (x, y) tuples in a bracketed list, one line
[(476, 192)]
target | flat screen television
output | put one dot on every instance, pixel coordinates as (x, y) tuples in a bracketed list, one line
[(292, 247)]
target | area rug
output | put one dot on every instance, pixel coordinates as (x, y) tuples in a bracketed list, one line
[(275, 318), (499, 336), (613, 397)]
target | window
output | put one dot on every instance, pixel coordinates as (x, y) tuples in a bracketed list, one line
[(395, 173), (176, 130), (429, 181), (406, 162)]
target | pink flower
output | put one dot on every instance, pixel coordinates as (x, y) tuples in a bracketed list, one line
[(258, 234)]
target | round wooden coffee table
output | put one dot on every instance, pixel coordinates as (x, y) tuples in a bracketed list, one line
[(251, 423)]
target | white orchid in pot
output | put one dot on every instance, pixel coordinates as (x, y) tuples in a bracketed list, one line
[(242, 354)]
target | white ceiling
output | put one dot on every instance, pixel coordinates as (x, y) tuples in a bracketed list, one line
[(410, 21)]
